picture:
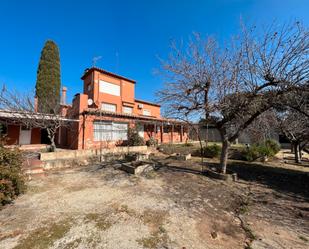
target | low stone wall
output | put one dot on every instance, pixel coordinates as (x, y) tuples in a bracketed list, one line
[(73, 154), (29, 147)]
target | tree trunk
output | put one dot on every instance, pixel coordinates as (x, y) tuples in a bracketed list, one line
[(53, 145), (224, 155), (51, 136), (300, 154), (296, 152), (201, 146)]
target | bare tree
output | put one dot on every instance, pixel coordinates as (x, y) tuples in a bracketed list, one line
[(21, 109), (293, 120), (297, 100), (263, 127), (231, 86), (295, 127)]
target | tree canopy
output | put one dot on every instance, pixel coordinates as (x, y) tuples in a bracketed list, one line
[(230, 86), (48, 78)]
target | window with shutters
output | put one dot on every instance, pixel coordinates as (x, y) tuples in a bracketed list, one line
[(146, 112), (109, 88), (108, 107), (127, 110)]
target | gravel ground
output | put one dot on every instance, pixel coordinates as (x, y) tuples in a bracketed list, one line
[(101, 207)]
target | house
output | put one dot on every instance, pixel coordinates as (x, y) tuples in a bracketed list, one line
[(23, 128), (107, 108), (101, 116)]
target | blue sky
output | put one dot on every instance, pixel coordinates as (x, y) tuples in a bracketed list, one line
[(138, 31)]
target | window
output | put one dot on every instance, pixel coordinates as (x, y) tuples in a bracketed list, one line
[(109, 131), (146, 112), (108, 107), (89, 87), (109, 88), (127, 110)]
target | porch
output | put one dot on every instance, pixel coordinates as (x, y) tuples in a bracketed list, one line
[(163, 131), (26, 131), (100, 128)]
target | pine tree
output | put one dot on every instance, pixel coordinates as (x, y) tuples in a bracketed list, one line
[(48, 79)]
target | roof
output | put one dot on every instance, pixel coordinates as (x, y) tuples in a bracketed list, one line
[(147, 102), (90, 70), (132, 116), (31, 115)]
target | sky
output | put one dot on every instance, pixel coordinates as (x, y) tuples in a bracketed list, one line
[(129, 36)]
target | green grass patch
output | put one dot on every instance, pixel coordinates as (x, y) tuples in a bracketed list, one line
[(100, 221), (157, 239), (44, 237)]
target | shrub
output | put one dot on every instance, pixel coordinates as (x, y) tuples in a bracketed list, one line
[(209, 151), (251, 153), (212, 151), (186, 144), (11, 178), (273, 145), (267, 149), (152, 142), (134, 139)]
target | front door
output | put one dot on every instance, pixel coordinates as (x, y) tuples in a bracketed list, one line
[(24, 135)]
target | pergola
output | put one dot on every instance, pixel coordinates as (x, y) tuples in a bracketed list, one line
[(145, 120)]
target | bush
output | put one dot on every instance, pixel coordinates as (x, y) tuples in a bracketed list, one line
[(11, 179), (273, 145), (212, 151), (134, 139), (186, 144), (252, 153), (152, 142), (257, 151)]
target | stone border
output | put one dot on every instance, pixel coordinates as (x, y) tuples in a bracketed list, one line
[(220, 176), (138, 169), (77, 154)]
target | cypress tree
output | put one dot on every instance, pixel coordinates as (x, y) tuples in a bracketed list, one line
[(48, 79)]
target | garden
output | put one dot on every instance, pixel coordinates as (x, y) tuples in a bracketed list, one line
[(174, 205)]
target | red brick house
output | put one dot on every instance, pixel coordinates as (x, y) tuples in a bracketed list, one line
[(102, 114)]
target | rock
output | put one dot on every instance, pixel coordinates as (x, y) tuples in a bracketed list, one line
[(214, 235), (300, 214)]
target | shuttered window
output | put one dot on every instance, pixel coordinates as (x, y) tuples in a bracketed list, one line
[(109, 131), (127, 110), (108, 107), (109, 88), (146, 112)]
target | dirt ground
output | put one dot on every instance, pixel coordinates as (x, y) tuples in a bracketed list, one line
[(175, 206)]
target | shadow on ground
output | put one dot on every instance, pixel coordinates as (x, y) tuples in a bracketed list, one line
[(290, 181), (281, 179)]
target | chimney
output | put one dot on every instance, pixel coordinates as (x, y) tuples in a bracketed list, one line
[(63, 95)]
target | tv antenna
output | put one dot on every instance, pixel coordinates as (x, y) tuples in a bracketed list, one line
[(95, 60)]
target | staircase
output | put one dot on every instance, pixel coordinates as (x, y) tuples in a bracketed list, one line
[(33, 166)]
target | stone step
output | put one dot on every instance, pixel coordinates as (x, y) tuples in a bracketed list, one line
[(36, 175), (32, 162), (34, 170)]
